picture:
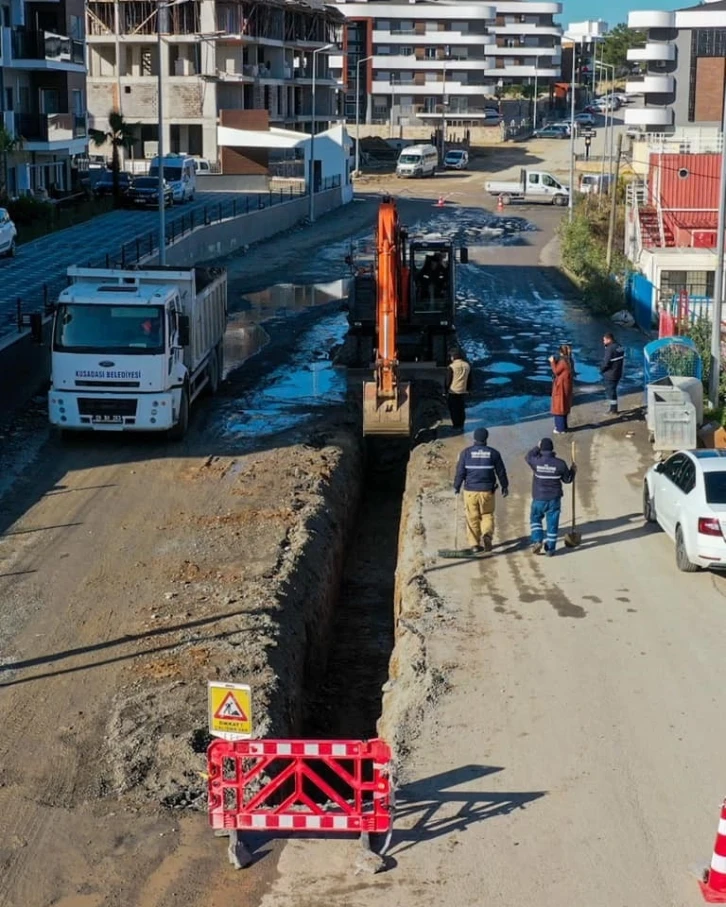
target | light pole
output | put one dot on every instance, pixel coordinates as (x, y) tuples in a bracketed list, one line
[(570, 201), (160, 144), (607, 148), (357, 111), (536, 74), (718, 277), (311, 210)]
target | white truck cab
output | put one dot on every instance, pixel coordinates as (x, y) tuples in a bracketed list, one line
[(132, 350)]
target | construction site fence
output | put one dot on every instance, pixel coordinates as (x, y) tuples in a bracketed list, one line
[(146, 244)]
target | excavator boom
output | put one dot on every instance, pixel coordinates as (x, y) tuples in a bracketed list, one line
[(386, 399)]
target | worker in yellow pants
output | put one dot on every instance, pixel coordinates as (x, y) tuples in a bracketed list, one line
[(480, 470)]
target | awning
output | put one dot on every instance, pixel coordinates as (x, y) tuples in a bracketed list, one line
[(228, 137)]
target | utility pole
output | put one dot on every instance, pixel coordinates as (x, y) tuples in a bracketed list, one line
[(718, 277), (613, 203), (160, 149), (571, 200)]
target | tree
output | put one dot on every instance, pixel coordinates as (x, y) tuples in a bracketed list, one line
[(9, 143), (120, 135), (616, 45)]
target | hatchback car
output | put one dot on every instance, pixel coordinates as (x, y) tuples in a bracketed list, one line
[(585, 119), (8, 234), (456, 160), (555, 131), (103, 187), (686, 496), (144, 191)]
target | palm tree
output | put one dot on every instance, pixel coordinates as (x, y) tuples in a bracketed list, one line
[(9, 143), (120, 135)]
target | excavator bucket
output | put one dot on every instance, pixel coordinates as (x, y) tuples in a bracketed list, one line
[(386, 417)]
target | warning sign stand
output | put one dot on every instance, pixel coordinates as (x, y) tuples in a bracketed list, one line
[(230, 710)]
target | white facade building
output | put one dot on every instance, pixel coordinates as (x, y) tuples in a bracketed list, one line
[(426, 58)]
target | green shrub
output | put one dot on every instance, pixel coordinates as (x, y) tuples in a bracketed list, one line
[(27, 210)]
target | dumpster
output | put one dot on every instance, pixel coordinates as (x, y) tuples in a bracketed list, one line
[(674, 426), (671, 356), (661, 391)]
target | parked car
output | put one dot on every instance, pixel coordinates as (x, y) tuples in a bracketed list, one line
[(686, 496), (103, 186), (8, 234), (144, 191), (554, 131), (624, 98), (585, 119), (202, 164), (456, 160)]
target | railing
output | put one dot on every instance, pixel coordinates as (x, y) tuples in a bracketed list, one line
[(50, 127), (45, 45), (131, 253), (661, 228), (687, 141)]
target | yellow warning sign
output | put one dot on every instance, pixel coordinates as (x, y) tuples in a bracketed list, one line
[(230, 710)]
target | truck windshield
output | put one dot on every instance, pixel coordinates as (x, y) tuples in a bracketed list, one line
[(410, 159), (109, 329)]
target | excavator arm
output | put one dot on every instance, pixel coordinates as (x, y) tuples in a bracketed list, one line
[(386, 399)]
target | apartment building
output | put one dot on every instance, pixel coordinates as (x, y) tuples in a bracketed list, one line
[(413, 62), (216, 55), (43, 92), (683, 65)]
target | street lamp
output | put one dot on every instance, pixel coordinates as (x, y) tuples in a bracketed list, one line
[(571, 199), (311, 210), (357, 111), (608, 109), (718, 277), (536, 59), (447, 56)]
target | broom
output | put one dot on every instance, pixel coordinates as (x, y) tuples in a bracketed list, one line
[(573, 537), (456, 551)]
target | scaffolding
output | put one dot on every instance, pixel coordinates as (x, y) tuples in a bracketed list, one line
[(140, 17)]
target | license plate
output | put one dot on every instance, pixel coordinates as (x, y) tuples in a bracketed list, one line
[(114, 420), (140, 201)]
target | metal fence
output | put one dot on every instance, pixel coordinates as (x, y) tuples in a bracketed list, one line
[(132, 252)]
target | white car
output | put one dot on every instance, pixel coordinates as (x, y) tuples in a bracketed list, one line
[(8, 234), (584, 119), (686, 496), (456, 160)]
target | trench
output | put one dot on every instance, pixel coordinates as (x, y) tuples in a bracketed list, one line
[(345, 701)]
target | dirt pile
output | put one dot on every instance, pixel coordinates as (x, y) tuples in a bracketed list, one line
[(251, 572)]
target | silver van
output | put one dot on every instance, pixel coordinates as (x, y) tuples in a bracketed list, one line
[(417, 161)]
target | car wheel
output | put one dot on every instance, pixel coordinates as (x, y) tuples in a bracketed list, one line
[(12, 251), (682, 562), (505, 199), (648, 505), (559, 200), (178, 432)]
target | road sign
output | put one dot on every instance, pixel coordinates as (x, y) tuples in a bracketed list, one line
[(230, 710)]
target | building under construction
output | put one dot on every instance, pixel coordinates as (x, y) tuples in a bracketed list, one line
[(215, 56)]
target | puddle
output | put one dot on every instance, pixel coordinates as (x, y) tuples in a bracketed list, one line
[(286, 299), (501, 380), (506, 411), (504, 368), (294, 392)]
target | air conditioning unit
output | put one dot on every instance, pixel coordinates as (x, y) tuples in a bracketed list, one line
[(151, 149), (704, 239)]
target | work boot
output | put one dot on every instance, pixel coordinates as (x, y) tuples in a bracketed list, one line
[(477, 549), (537, 548), (487, 542)]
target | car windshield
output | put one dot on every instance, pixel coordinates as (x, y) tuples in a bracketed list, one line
[(109, 329), (455, 155), (715, 487), (147, 182), (410, 159)]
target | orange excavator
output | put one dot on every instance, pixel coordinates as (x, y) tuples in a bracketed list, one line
[(387, 399), (401, 320)]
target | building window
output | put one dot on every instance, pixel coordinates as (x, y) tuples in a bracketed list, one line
[(705, 42), (146, 63), (695, 283), (405, 51), (9, 99), (430, 53)]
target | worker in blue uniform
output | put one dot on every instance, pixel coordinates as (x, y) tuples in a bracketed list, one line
[(550, 472)]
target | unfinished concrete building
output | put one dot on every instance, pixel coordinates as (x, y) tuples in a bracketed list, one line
[(215, 55)]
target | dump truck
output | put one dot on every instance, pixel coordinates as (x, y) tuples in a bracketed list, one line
[(131, 350)]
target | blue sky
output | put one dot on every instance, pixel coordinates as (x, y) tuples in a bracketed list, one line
[(614, 11)]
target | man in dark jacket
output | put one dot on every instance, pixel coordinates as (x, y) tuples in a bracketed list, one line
[(549, 474), (478, 470), (612, 369)]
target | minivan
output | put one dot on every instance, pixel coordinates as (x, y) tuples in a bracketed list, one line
[(180, 171), (456, 160), (417, 161)]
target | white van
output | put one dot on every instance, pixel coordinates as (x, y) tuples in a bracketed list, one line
[(180, 171), (417, 160)]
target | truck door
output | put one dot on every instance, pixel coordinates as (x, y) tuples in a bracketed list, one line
[(533, 186)]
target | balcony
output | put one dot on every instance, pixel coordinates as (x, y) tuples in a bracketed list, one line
[(652, 53), (46, 50), (389, 61), (441, 38), (652, 18), (650, 84), (50, 129), (648, 116)]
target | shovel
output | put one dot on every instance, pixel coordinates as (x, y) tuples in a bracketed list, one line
[(573, 537), (456, 551)]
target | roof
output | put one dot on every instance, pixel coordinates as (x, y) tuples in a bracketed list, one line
[(260, 138), (719, 5)]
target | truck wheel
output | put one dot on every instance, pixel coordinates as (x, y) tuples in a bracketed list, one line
[(213, 373), (178, 432), (505, 199), (559, 200)]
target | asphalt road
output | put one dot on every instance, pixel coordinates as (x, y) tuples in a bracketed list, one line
[(44, 260)]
